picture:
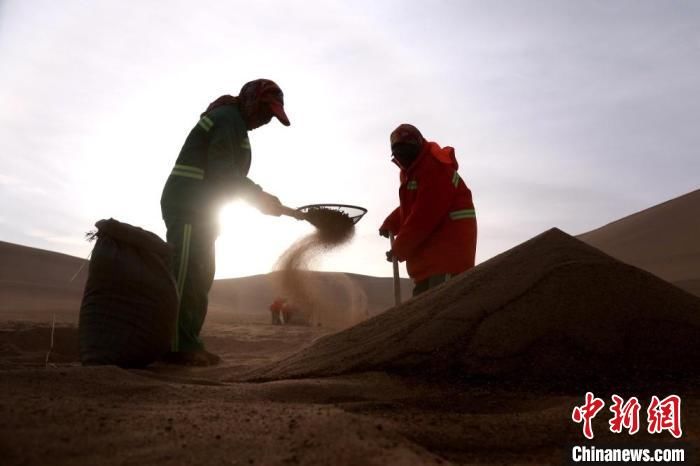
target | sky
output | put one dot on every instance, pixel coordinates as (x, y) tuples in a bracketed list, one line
[(562, 113)]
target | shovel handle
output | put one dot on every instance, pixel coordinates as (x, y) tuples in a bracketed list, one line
[(397, 279)]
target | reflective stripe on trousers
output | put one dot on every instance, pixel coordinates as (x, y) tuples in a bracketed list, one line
[(182, 276)]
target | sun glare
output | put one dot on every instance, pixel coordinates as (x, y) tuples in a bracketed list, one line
[(250, 243)]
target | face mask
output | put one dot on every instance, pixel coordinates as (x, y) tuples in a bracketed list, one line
[(405, 154), (255, 114)]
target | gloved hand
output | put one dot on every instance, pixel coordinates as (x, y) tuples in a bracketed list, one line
[(268, 204), (390, 256), (384, 232)]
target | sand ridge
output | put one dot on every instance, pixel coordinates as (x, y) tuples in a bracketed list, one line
[(662, 239), (551, 308)]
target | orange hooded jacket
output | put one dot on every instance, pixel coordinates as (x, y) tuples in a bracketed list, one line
[(435, 225)]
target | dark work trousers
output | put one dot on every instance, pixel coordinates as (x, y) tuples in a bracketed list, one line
[(430, 282), (193, 267)]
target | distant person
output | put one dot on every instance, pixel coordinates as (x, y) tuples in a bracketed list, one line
[(435, 224), (276, 310), (211, 170)]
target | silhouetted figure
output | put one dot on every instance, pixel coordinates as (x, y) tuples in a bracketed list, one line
[(211, 170)]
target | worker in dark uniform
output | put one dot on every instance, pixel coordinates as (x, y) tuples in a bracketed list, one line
[(211, 170)]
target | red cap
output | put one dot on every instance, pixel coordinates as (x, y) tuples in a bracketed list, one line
[(278, 110), (268, 92)]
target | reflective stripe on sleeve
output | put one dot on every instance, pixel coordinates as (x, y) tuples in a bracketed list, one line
[(412, 185), (455, 179), (205, 123), (188, 172), (188, 168), (186, 175), (461, 214)]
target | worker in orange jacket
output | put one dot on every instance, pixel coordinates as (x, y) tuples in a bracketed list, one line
[(435, 224)]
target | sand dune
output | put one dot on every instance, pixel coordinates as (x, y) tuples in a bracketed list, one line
[(551, 308), (250, 297), (664, 240), (35, 284), (24, 264)]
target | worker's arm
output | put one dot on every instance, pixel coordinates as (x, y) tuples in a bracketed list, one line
[(432, 204), (392, 224), (228, 148)]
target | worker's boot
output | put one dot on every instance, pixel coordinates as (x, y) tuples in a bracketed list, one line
[(214, 359), (197, 358)]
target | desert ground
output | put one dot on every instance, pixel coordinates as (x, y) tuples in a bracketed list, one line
[(485, 369)]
